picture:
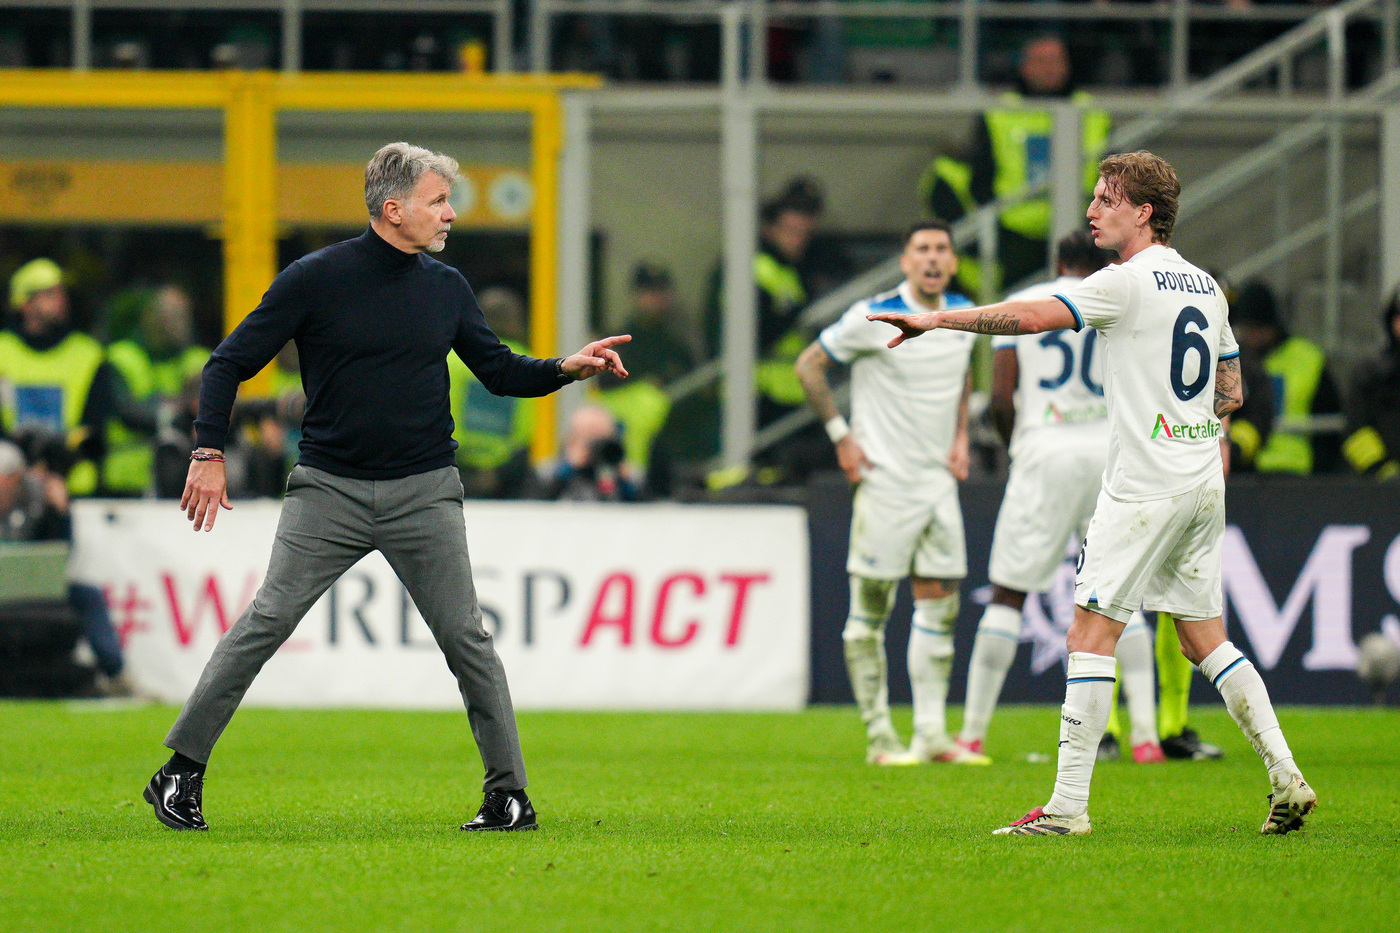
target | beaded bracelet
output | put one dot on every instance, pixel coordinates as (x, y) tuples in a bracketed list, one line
[(206, 458)]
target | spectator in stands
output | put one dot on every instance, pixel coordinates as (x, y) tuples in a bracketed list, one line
[(58, 381), (493, 431), (1297, 384), (1373, 421), (1011, 157), (34, 507), (592, 468), (154, 363), (657, 352), (782, 278)]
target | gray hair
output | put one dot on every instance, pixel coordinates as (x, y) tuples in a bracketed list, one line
[(394, 172), (11, 458)]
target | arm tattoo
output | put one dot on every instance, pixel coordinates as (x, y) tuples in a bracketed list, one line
[(988, 323), (1229, 391)]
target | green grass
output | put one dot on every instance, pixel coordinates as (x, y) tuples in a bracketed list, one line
[(347, 820)]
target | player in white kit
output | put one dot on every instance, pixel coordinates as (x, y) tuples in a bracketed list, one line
[(1048, 404), (904, 450), (1159, 523)]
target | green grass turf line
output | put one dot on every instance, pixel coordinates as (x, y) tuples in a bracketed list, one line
[(347, 820)]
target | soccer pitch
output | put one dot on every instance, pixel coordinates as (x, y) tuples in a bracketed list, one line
[(347, 821)]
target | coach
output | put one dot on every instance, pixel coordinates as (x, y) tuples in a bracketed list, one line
[(373, 319)]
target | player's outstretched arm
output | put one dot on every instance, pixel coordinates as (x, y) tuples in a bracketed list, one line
[(1006, 317), (595, 358), (1229, 387)]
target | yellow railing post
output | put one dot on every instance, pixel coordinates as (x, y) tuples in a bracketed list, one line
[(545, 141), (250, 199)]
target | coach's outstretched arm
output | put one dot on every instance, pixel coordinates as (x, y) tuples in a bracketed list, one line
[(1006, 317)]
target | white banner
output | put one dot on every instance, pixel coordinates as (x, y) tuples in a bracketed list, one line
[(592, 606)]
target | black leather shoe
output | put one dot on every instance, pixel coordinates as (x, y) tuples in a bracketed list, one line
[(1189, 747), (177, 799), (503, 810)]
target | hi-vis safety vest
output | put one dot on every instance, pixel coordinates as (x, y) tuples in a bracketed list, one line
[(1296, 365), (774, 375), (488, 428), (641, 408), (48, 389), (130, 456), (1021, 139)]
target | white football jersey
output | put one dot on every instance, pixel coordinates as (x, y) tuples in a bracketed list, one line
[(1059, 392), (904, 401), (1163, 325)]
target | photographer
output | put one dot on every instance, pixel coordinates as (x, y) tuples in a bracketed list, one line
[(34, 507), (592, 469)]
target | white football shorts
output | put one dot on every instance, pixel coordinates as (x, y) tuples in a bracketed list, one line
[(898, 530), (1049, 499), (1161, 555)]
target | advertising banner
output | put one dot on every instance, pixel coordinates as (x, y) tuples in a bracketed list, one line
[(591, 606), (1310, 567)]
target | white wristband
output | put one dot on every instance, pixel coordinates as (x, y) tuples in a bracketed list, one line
[(837, 429)]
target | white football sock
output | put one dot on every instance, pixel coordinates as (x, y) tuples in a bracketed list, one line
[(1139, 671), (998, 635), (931, 663), (864, 638), (1247, 699), (1083, 718)]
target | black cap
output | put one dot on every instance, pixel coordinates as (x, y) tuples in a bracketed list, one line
[(1255, 305), (650, 275)]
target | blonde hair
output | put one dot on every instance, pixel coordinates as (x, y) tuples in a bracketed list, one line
[(395, 169), (1143, 178)]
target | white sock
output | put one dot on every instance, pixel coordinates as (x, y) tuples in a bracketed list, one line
[(931, 663), (998, 635), (1083, 718), (864, 637), (1247, 699), (1139, 670)]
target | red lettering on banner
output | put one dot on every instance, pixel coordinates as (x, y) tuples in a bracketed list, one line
[(127, 612), (742, 582), (622, 618), (658, 619), (185, 632)]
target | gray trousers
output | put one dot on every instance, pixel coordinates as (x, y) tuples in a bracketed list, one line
[(328, 523)]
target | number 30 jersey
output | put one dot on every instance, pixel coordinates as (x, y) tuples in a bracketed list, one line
[(1163, 325), (1059, 390)]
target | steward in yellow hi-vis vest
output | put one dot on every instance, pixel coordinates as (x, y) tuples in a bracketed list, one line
[(155, 366), (1010, 155), (55, 387), (1290, 374), (1372, 444), (493, 431)]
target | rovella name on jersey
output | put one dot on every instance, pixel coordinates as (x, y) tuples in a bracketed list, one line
[(1191, 282), (1207, 430)]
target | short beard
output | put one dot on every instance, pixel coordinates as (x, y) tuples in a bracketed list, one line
[(436, 245)]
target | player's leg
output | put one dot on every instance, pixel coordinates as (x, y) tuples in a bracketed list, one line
[(422, 534), (864, 641), (940, 563), (1135, 671), (1179, 740), (1189, 587), (993, 650), (886, 521), (1247, 699), (1125, 544), (324, 529)]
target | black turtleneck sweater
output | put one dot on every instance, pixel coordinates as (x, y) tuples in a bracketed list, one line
[(373, 326)]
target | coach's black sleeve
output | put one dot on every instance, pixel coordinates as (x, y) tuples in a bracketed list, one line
[(245, 352), (500, 370)]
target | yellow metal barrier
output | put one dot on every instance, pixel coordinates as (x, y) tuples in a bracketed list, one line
[(251, 101)]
